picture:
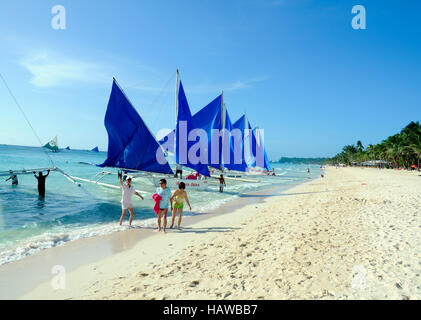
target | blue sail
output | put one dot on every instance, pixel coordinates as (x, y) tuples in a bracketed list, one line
[(260, 155), (209, 119), (95, 149), (130, 143), (235, 141), (168, 142), (248, 141), (206, 119), (185, 125)]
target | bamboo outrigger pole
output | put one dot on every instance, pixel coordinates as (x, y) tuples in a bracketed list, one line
[(25, 171), (103, 184)]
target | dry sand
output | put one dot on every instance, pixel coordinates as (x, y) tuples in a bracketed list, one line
[(356, 234)]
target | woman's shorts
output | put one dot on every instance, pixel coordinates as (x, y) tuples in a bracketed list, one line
[(179, 205)]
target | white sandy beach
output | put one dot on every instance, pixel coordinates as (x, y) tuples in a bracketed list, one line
[(356, 234)]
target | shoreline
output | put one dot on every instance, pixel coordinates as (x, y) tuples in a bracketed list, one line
[(35, 269), (351, 235)]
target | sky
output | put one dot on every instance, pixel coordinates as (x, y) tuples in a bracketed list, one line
[(296, 67)]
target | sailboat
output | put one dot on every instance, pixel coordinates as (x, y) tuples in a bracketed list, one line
[(255, 157), (262, 160), (131, 145), (133, 148), (95, 149), (180, 147), (52, 145), (217, 154)]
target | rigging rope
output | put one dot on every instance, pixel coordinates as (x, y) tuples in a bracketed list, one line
[(26, 118), (161, 95)]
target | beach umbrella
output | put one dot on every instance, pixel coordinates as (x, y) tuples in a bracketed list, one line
[(413, 166)]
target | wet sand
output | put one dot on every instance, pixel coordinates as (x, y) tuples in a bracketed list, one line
[(22, 276)]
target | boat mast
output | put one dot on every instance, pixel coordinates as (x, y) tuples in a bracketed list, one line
[(223, 118), (245, 145), (176, 112), (176, 96)]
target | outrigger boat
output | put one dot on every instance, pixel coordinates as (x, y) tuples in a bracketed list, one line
[(133, 149), (212, 118)]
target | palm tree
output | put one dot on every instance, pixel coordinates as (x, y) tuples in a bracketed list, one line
[(360, 146), (417, 151)]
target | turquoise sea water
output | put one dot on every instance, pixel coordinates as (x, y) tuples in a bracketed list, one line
[(69, 212)]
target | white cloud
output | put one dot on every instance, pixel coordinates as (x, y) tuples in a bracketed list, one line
[(226, 87), (50, 71), (203, 88)]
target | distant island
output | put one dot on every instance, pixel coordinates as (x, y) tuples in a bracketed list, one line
[(301, 160)]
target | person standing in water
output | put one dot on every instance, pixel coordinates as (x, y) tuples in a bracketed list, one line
[(179, 196), (221, 183), (13, 177), (126, 200), (41, 183), (165, 193)]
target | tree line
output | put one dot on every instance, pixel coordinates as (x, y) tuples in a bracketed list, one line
[(401, 150)]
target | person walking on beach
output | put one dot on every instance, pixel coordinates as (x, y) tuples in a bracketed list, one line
[(165, 193), (221, 183), (126, 200), (13, 177), (41, 183), (178, 196)]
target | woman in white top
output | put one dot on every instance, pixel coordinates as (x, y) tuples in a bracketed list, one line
[(126, 200)]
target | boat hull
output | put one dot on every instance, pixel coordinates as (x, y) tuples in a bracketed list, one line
[(190, 184)]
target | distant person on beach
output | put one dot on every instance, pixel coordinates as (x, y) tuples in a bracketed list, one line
[(178, 197), (165, 193), (308, 170), (178, 170), (41, 183), (13, 177), (126, 200), (221, 183)]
